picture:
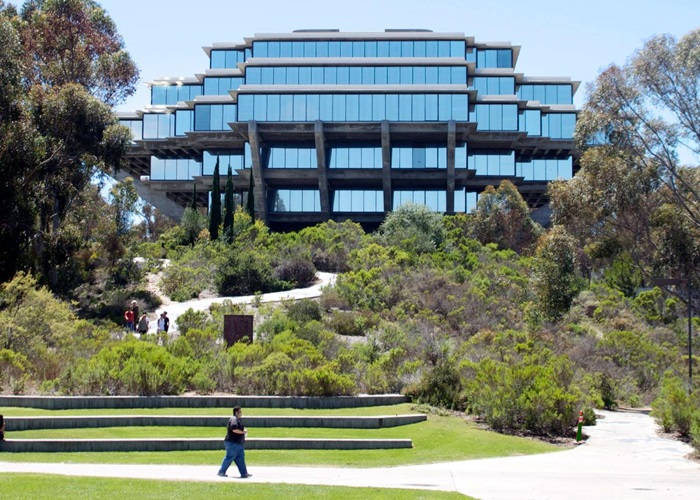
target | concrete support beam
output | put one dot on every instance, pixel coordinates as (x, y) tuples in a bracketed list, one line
[(320, 140), (156, 198), (386, 166), (451, 144), (259, 189)]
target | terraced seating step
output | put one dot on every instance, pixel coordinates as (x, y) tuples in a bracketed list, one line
[(185, 444), (75, 422), (302, 402)]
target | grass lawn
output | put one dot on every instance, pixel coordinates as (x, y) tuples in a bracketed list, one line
[(439, 439), (38, 487), (366, 411)]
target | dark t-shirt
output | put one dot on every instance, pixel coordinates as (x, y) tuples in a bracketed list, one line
[(234, 423), (166, 323)]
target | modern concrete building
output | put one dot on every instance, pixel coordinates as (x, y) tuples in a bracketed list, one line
[(352, 125)]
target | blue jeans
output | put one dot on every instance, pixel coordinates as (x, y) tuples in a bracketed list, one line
[(234, 453)]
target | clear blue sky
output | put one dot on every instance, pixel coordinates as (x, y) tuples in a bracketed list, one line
[(558, 38)]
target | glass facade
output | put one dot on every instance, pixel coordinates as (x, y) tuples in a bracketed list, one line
[(530, 121), (174, 169), (546, 93), (226, 58), (433, 199), (353, 107), (359, 48), (220, 85), (290, 157), (494, 58), (355, 157), (172, 94), (544, 169), (407, 78), (136, 127), (158, 126), (184, 121), (226, 157), (358, 200), (214, 116), (559, 125), (355, 75), (465, 201), (494, 85), (495, 116), (295, 200), (492, 163)]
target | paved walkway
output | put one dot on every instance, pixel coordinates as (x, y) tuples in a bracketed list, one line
[(175, 309), (624, 458)]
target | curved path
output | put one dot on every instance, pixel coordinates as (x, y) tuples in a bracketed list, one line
[(175, 309), (623, 458)]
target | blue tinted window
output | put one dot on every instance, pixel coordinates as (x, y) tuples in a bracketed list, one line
[(158, 94), (299, 108), (260, 49), (356, 200), (321, 49), (365, 107), (326, 101), (286, 108), (352, 108), (333, 49), (382, 49), (312, 107), (217, 59), (431, 48), (273, 108)]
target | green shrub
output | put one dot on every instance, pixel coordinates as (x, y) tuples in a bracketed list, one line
[(674, 407), (534, 394), (441, 386), (246, 272), (298, 270), (181, 282), (304, 310), (191, 319)]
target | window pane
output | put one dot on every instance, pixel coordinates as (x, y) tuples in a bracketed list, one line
[(326, 101), (418, 104), (365, 107), (352, 108), (338, 107), (392, 107), (405, 107), (380, 75), (260, 107), (382, 49), (431, 107), (299, 108), (273, 107), (312, 107), (286, 108), (378, 111), (333, 49)]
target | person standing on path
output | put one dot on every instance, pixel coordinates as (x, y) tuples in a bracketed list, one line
[(166, 321), (129, 319), (234, 441), (143, 324), (135, 310)]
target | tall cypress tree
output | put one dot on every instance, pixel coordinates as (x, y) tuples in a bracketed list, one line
[(250, 205), (194, 196), (215, 208), (228, 204)]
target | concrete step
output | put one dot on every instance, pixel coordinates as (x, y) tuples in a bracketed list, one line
[(76, 422), (301, 402), (184, 444)]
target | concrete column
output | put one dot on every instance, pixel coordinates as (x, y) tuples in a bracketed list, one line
[(259, 189), (451, 143), (386, 166), (156, 198), (320, 139)]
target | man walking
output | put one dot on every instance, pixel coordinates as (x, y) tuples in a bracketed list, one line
[(235, 438)]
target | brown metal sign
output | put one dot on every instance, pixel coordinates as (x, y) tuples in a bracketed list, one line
[(236, 327)]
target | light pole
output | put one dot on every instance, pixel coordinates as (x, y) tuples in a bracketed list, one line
[(689, 287)]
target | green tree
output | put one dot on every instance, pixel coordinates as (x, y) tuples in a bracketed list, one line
[(215, 207), (503, 217), (229, 208), (413, 228), (63, 66), (555, 271), (192, 223), (193, 204), (124, 199)]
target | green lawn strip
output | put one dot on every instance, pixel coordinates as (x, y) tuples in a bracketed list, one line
[(366, 411), (36, 486), (439, 439)]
